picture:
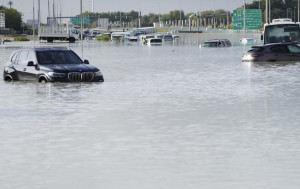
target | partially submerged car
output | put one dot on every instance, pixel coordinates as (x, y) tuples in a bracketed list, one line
[(273, 52), (50, 65), (217, 43)]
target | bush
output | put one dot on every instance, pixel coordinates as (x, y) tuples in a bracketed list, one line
[(103, 38), (21, 38), (162, 31)]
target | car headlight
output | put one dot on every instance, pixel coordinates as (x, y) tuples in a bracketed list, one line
[(98, 74), (54, 74)]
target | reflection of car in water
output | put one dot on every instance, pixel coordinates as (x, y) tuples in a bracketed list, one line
[(247, 41), (49, 65), (217, 43), (273, 52)]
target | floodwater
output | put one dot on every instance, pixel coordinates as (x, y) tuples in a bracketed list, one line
[(172, 117)]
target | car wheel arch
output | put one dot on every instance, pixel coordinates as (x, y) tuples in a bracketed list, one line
[(8, 77), (42, 78)]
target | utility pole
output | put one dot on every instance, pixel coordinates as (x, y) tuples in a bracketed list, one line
[(215, 19), (39, 12), (298, 10), (92, 5), (81, 27), (227, 19), (140, 17), (33, 23), (198, 21), (120, 20), (244, 17), (267, 11), (53, 16), (294, 14), (270, 18)]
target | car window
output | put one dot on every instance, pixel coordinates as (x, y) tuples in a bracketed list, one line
[(58, 57), (294, 48), (13, 59), (22, 58), (210, 44), (31, 57), (223, 44), (228, 43), (257, 49), (280, 49)]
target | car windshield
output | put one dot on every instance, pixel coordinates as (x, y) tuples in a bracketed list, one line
[(58, 57), (282, 33), (210, 44)]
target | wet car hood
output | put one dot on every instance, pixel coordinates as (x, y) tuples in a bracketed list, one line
[(65, 68)]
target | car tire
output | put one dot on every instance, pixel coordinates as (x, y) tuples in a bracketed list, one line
[(8, 78), (43, 80), (50, 40)]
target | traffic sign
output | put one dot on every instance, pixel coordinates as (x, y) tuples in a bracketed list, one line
[(253, 19), (77, 20)]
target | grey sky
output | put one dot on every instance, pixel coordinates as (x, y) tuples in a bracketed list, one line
[(72, 7)]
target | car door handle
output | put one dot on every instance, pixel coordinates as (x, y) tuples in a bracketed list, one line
[(24, 69)]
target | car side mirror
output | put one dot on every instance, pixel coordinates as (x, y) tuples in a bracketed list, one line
[(30, 63), (262, 37), (86, 62)]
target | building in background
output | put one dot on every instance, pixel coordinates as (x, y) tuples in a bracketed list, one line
[(3, 30), (35, 22), (103, 23)]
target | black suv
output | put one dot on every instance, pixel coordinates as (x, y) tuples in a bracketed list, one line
[(50, 65)]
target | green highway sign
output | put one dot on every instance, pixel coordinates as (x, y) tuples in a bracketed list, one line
[(253, 19), (78, 20)]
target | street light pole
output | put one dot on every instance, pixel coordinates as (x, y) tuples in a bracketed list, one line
[(266, 11), (298, 10), (81, 27), (294, 14), (244, 17), (270, 11)]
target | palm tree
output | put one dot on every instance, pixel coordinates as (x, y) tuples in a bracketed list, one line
[(10, 3)]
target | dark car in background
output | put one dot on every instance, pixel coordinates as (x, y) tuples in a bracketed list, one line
[(273, 52), (50, 65)]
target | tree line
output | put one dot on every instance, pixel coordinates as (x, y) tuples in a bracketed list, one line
[(280, 9)]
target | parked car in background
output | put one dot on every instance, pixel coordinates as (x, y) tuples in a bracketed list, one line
[(273, 52), (217, 43), (49, 65)]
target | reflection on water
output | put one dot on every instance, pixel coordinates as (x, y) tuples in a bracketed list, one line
[(171, 116)]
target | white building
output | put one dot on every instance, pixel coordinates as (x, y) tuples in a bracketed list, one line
[(103, 23), (2, 20), (31, 22)]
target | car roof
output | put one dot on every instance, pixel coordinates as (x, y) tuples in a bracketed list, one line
[(42, 49), (216, 40), (272, 44)]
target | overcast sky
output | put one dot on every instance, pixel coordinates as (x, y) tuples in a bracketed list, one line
[(72, 7)]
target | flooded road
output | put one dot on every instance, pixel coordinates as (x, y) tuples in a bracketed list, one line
[(172, 116)]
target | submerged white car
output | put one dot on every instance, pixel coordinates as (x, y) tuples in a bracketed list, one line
[(273, 52), (217, 43)]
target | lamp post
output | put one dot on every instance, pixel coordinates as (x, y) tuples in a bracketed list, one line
[(266, 11), (244, 17), (294, 14)]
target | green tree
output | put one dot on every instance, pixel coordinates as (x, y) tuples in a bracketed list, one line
[(13, 19)]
